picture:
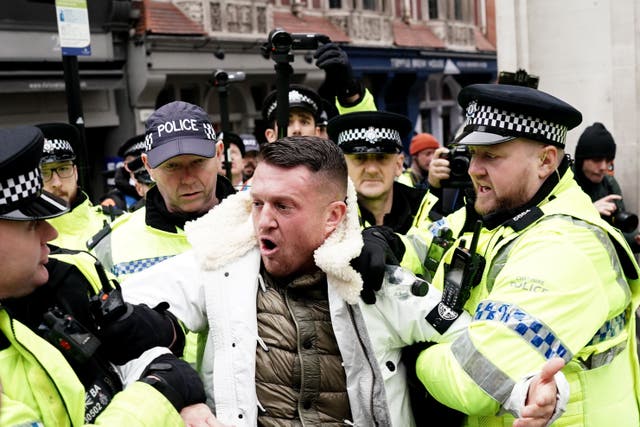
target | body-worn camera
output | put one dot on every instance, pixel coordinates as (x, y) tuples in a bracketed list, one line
[(459, 158)]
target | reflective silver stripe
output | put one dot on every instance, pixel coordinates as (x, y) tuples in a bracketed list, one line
[(487, 375), (532, 330), (607, 356)]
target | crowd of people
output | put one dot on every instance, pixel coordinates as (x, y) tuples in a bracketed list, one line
[(227, 283)]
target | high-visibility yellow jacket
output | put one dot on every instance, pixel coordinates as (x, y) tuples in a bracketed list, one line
[(558, 281), (40, 388), (78, 225)]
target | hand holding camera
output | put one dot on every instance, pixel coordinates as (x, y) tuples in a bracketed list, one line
[(610, 210)]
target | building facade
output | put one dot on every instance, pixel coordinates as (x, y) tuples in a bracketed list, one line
[(413, 55)]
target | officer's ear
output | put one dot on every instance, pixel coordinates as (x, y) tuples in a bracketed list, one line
[(270, 134), (548, 161)]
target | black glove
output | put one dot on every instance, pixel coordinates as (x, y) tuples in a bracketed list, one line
[(381, 247), (339, 74), (138, 330), (176, 380)]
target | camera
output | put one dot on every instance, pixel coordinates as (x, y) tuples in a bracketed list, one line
[(624, 221), (280, 42), (459, 158)]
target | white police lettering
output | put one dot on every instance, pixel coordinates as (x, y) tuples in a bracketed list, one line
[(177, 126), (520, 215)]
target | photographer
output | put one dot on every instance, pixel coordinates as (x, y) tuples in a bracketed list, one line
[(595, 151)]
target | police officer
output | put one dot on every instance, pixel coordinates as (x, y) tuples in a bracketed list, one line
[(125, 195), (304, 110), (372, 144), (183, 157), (59, 350), (60, 176), (543, 273)]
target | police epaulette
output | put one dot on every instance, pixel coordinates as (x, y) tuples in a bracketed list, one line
[(93, 241)]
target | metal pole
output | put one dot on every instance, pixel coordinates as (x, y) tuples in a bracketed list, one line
[(76, 118)]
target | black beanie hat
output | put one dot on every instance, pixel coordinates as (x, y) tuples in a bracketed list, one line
[(596, 142)]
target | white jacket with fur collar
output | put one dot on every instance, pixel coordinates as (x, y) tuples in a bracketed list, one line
[(212, 289)]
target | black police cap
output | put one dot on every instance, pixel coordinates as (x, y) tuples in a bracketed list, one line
[(59, 140), (300, 96), (498, 113), (234, 138), (133, 146), (22, 196), (369, 131)]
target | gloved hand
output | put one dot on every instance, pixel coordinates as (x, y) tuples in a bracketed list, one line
[(176, 380), (339, 74), (138, 330), (381, 247)]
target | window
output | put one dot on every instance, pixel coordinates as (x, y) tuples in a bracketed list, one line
[(335, 4), (457, 10), (433, 9), (369, 4)]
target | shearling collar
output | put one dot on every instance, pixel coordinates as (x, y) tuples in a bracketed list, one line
[(226, 233)]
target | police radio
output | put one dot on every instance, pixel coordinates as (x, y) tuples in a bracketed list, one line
[(460, 276), (108, 304)]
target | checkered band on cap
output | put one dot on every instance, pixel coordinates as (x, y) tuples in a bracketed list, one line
[(148, 142), (369, 135), (514, 123), (295, 97), (19, 188), (137, 148), (55, 146)]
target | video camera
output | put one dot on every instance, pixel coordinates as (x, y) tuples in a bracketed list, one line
[(459, 158), (280, 43)]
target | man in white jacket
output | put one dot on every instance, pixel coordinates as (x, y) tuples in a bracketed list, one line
[(269, 287)]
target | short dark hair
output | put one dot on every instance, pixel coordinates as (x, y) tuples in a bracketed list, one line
[(319, 155)]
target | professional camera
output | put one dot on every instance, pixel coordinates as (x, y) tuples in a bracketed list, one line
[(459, 158), (624, 221), (280, 42)]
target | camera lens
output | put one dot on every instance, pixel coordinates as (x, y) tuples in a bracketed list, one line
[(459, 166), (281, 39), (625, 221)]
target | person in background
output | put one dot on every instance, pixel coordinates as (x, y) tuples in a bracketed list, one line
[(421, 150), (251, 149), (372, 145), (58, 352), (124, 195), (304, 109), (60, 175), (236, 152), (595, 151), (143, 181)]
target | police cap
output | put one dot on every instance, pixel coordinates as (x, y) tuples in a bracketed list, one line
[(369, 131), (22, 197), (300, 96), (498, 113), (59, 140), (133, 146)]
